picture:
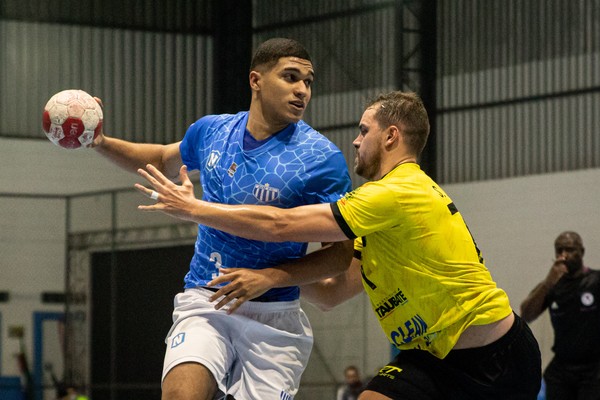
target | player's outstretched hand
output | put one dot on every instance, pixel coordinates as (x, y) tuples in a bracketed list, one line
[(172, 199), (242, 284)]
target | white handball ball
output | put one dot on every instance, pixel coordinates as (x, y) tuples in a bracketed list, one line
[(72, 119)]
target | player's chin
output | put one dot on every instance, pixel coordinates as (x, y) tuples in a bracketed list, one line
[(293, 119), (296, 113)]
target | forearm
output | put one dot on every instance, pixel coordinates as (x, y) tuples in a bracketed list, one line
[(132, 156), (241, 284), (311, 223), (534, 305), (325, 262), (330, 292)]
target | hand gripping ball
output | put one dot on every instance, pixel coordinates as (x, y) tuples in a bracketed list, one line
[(72, 119)]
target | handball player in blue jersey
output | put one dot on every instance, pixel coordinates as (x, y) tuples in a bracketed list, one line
[(264, 156)]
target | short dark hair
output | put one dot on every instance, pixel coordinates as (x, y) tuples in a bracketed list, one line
[(270, 51), (407, 111), (570, 235)]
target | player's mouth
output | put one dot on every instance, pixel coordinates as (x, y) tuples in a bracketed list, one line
[(298, 105)]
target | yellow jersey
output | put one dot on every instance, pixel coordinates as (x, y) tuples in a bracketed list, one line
[(421, 268)]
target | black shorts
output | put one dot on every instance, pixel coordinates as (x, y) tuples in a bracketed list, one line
[(508, 369)]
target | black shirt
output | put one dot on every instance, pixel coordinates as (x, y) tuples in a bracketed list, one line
[(575, 314)]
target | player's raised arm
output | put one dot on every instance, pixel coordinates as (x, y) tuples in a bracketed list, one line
[(74, 119), (132, 156), (310, 223)]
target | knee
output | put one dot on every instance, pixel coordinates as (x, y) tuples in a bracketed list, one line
[(189, 381)]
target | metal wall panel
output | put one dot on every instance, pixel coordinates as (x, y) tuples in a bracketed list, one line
[(518, 85), (557, 134), (153, 85), (269, 13), (181, 16)]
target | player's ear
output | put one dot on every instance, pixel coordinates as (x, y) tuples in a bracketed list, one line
[(255, 80), (393, 134)]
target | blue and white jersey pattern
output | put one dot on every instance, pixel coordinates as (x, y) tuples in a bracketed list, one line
[(297, 166)]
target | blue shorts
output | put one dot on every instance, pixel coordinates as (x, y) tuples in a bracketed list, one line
[(508, 369)]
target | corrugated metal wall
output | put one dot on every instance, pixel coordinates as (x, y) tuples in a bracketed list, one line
[(518, 88), (517, 79), (153, 84)]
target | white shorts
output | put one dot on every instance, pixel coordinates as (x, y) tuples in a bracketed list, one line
[(258, 352)]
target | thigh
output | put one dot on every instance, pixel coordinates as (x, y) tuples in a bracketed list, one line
[(189, 381), (272, 348), (508, 369), (200, 335), (411, 376), (371, 395)]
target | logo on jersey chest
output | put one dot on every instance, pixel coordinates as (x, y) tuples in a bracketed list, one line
[(213, 159), (265, 193), (587, 299), (232, 169)]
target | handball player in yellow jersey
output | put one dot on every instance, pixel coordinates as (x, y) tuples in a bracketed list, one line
[(414, 256)]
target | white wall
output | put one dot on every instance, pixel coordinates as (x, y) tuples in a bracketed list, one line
[(33, 230), (514, 222)]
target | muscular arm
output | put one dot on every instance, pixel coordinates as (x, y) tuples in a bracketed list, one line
[(132, 156), (311, 223), (329, 260), (330, 292), (242, 284)]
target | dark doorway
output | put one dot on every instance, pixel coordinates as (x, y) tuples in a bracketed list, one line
[(132, 302)]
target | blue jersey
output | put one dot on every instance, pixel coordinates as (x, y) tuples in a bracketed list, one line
[(297, 166)]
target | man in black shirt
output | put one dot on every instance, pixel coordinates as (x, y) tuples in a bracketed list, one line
[(571, 292)]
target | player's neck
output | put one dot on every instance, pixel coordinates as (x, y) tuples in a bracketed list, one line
[(387, 167), (261, 127)]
